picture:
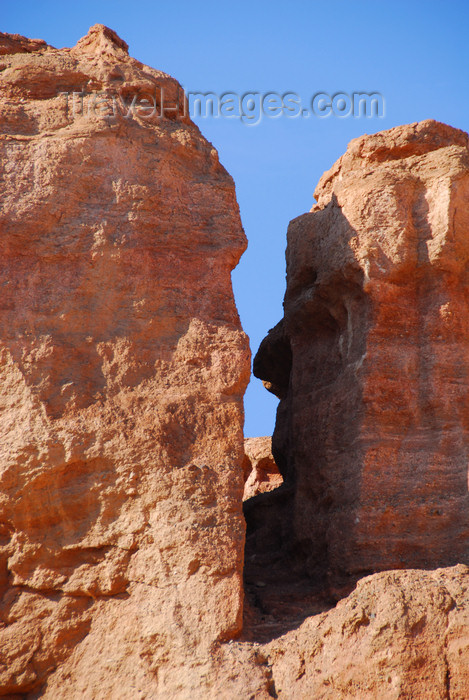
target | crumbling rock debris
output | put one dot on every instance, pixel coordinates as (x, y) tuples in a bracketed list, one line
[(399, 634)]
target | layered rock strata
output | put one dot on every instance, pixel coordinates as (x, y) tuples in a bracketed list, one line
[(371, 359)]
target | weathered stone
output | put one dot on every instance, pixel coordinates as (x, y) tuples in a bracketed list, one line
[(261, 474), (123, 367), (122, 371), (400, 634), (372, 430)]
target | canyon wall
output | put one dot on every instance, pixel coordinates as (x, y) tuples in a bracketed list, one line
[(123, 367), (122, 370), (371, 360)]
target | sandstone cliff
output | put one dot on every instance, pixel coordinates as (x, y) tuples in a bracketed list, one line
[(371, 360), (123, 367)]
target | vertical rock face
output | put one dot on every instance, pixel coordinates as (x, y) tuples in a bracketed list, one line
[(371, 360), (123, 366)]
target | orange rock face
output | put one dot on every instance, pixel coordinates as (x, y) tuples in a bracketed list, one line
[(261, 474), (400, 634), (373, 427), (123, 367)]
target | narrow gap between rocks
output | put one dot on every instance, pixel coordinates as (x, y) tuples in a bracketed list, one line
[(278, 595)]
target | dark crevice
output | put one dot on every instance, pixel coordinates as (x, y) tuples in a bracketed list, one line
[(307, 360)]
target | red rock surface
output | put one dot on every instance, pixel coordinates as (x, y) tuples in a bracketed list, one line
[(371, 359), (123, 367), (400, 634), (261, 474)]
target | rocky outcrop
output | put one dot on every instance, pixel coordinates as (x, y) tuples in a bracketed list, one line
[(261, 474), (123, 367), (400, 634), (371, 359)]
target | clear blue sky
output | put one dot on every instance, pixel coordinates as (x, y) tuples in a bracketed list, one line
[(415, 53)]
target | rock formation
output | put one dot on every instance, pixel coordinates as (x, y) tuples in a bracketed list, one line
[(371, 359), (123, 367), (261, 474), (400, 634)]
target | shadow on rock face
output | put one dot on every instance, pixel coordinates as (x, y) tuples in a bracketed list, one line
[(307, 360), (370, 364)]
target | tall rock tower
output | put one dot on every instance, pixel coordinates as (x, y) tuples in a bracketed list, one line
[(122, 374), (371, 360)]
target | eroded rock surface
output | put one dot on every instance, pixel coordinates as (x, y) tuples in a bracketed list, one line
[(123, 367), (371, 359), (261, 474), (399, 634)]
